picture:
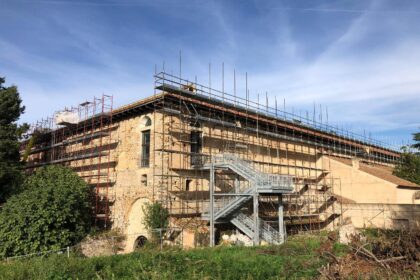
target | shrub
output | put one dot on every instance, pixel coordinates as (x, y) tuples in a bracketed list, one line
[(53, 211), (155, 217)]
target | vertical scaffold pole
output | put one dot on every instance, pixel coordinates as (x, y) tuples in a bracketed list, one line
[(281, 222), (211, 186)]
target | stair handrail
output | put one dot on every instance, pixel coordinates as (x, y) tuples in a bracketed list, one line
[(256, 179), (262, 179), (266, 228), (267, 232), (227, 200)]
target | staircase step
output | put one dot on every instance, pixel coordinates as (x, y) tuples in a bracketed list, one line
[(259, 183)]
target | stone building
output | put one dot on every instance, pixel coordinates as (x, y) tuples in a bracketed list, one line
[(193, 148)]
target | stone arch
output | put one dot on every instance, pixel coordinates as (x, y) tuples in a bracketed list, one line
[(135, 228)]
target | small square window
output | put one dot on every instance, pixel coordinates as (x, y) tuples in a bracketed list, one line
[(144, 180)]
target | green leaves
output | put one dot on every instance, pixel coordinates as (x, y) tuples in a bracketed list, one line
[(10, 166), (416, 138), (155, 216), (52, 212), (409, 168), (10, 104)]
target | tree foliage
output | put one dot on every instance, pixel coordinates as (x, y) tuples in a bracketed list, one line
[(53, 211), (10, 166), (416, 138), (409, 167), (155, 216)]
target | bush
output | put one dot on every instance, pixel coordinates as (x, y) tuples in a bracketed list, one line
[(155, 217), (53, 211)]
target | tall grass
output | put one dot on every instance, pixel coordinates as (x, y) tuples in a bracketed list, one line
[(297, 258)]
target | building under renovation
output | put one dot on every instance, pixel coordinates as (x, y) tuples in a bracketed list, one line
[(220, 163)]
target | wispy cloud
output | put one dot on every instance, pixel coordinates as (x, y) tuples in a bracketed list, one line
[(358, 58)]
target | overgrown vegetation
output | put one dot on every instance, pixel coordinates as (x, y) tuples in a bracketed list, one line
[(10, 166), (156, 216), (297, 259), (52, 211), (377, 254)]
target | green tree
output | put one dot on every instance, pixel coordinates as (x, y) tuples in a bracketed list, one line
[(52, 211), (409, 166), (10, 132), (416, 138), (156, 216)]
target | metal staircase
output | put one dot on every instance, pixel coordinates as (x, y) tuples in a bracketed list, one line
[(263, 182), (228, 207), (266, 231)]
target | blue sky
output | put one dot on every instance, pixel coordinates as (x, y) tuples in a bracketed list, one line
[(361, 59)]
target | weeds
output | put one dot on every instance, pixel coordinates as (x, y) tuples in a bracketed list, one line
[(302, 257), (375, 254), (296, 259)]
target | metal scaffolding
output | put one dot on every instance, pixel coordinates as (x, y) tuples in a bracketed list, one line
[(191, 126), (78, 137), (273, 141)]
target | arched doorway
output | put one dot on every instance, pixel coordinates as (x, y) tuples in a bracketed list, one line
[(137, 233)]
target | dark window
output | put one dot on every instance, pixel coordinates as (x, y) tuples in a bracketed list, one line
[(145, 149), (196, 145), (140, 242), (195, 124), (147, 121), (144, 180), (187, 184)]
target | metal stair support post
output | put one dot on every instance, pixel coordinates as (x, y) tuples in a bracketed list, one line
[(281, 222), (256, 240), (211, 204), (229, 206), (237, 186)]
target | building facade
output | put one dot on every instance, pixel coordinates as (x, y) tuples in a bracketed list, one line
[(193, 149)]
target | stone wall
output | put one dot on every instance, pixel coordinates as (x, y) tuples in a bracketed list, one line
[(387, 216)]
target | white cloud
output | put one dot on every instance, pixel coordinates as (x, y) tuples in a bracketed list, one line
[(368, 76)]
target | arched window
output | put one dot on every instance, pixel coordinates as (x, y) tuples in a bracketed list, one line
[(140, 242), (146, 121)]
